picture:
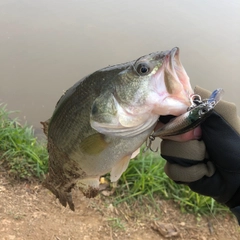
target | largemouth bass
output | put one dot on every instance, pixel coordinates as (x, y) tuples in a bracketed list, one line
[(100, 123)]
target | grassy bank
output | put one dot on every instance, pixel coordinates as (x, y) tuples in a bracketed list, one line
[(25, 158), (145, 176), (22, 154)]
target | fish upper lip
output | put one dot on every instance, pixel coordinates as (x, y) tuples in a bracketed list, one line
[(174, 58)]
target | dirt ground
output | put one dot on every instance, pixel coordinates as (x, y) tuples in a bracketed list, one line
[(28, 211)]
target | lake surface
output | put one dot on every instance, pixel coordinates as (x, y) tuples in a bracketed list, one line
[(46, 46)]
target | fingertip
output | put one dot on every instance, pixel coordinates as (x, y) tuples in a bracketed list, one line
[(197, 133)]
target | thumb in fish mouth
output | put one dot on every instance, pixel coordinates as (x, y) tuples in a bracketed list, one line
[(193, 134)]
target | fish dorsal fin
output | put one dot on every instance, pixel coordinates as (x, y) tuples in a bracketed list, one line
[(119, 168), (45, 126)]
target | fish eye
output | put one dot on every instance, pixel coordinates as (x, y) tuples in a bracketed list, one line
[(143, 68)]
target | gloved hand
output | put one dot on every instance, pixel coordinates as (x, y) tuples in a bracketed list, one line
[(210, 166)]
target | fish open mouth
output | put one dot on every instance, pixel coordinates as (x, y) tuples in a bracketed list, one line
[(175, 76), (172, 85), (176, 79)]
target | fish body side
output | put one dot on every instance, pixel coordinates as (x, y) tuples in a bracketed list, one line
[(100, 123), (76, 150)]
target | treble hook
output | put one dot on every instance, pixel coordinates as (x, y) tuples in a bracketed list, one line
[(149, 141)]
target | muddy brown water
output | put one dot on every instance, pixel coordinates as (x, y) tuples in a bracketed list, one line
[(46, 46)]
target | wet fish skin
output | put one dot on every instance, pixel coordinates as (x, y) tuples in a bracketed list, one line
[(190, 119), (99, 124)]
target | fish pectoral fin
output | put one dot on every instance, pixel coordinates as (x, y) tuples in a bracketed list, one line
[(135, 153), (119, 168), (93, 144)]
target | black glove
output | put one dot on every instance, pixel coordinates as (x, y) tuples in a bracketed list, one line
[(210, 166)]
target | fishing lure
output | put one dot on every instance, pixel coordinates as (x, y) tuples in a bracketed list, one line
[(197, 113)]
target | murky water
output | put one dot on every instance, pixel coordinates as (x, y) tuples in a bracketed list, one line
[(48, 45)]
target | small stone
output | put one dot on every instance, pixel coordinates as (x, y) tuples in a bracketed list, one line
[(111, 208), (86, 237), (11, 237), (2, 189)]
